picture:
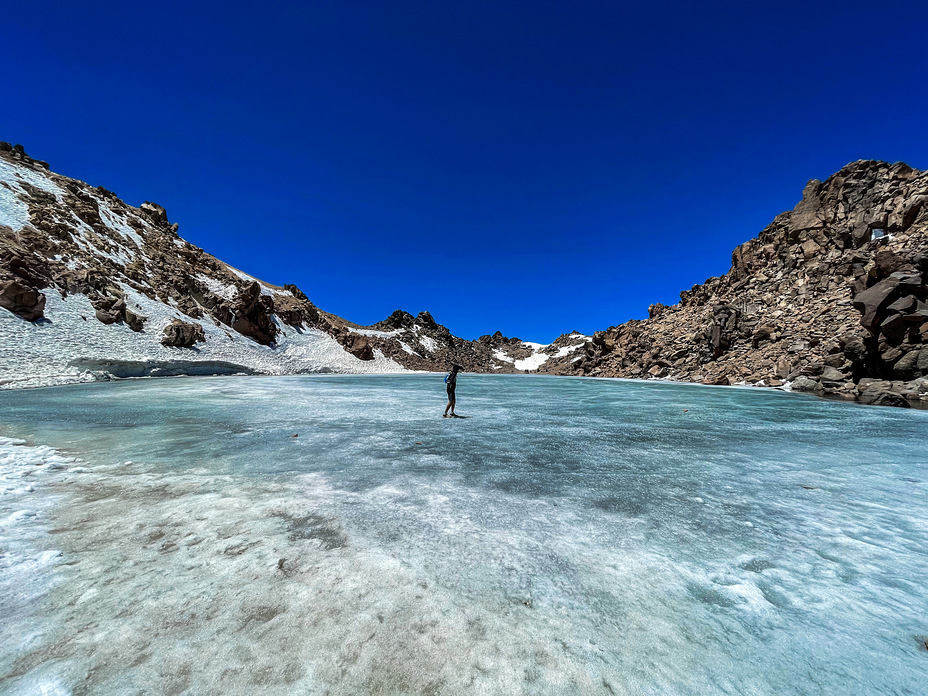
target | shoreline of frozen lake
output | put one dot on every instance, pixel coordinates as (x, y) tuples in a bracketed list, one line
[(592, 536)]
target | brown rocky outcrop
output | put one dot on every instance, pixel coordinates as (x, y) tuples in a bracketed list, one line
[(829, 295), (22, 300), (251, 314), (180, 334)]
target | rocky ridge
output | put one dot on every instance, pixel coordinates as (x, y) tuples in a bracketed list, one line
[(829, 298), (63, 241)]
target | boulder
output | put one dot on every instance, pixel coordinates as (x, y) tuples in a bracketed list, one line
[(761, 333), (805, 384), (180, 334), (886, 262), (833, 375), (879, 396), (873, 302), (906, 367), (358, 346), (22, 300), (155, 212), (108, 316), (134, 321), (893, 328), (855, 350), (252, 312), (655, 310)]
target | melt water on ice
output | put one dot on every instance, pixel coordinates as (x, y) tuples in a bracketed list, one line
[(570, 536)]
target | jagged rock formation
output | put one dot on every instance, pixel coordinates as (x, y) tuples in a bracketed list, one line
[(180, 334), (831, 297), (421, 343)]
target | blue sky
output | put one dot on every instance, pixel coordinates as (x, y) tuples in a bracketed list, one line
[(533, 167)]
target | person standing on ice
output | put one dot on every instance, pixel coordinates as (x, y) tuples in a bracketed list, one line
[(451, 380)]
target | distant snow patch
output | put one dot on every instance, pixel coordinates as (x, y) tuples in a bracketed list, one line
[(532, 362), (501, 356), (567, 350), (244, 276), (13, 212), (535, 346), (408, 349), (428, 343), (374, 332)]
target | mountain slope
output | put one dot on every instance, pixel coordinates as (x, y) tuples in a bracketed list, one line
[(95, 288), (830, 297)]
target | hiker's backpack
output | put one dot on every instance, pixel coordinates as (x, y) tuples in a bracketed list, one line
[(447, 377)]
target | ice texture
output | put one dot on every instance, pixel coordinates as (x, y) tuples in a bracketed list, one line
[(571, 536)]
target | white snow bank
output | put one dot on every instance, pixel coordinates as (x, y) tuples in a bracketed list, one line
[(72, 346), (532, 362), (428, 343)]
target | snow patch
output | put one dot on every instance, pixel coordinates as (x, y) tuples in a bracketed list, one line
[(535, 346), (374, 332), (408, 349), (532, 362), (226, 291), (567, 350), (119, 224), (14, 212), (501, 356), (428, 343)]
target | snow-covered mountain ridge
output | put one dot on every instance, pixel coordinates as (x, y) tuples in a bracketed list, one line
[(93, 288)]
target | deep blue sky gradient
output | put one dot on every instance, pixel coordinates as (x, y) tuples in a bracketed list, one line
[(533, 167)]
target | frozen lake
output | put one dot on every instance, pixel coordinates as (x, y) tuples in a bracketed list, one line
[(569, 537)]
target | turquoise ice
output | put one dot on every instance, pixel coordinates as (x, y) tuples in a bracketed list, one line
[(570, 536)]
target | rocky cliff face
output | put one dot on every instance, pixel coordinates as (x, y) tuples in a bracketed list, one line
[(830, 297), (94, 287)]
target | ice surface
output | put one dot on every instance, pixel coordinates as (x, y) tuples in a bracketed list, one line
[(569, 537)]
